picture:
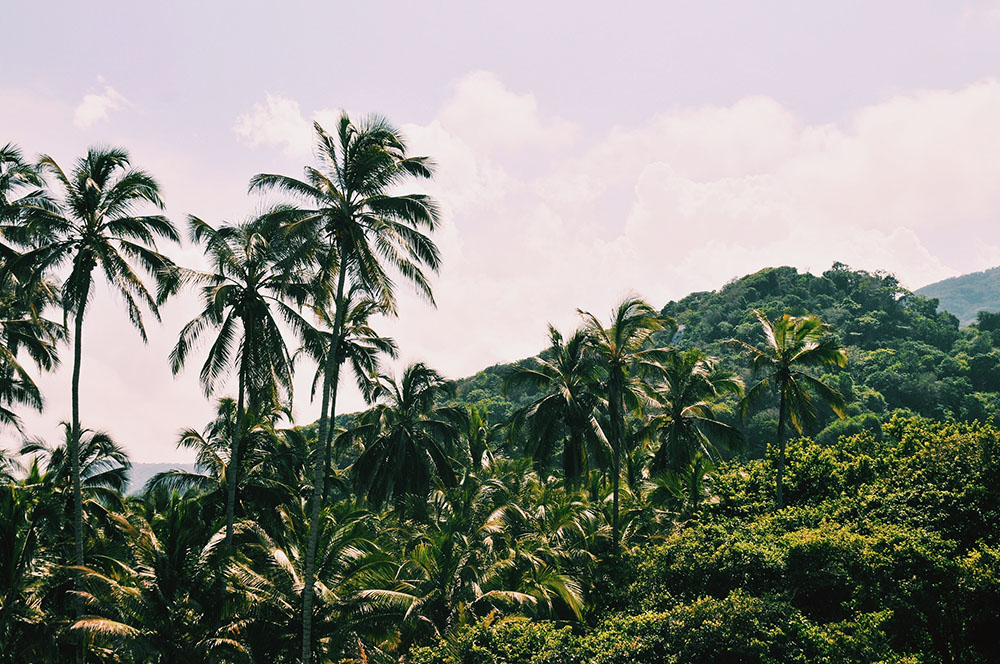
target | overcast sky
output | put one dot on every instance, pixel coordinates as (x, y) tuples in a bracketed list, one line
[(585, 151)]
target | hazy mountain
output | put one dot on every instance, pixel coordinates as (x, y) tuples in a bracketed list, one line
[(968, 294)]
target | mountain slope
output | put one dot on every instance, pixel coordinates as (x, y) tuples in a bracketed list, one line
[(968, 294)]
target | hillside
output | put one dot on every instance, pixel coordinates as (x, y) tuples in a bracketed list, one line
[(968, 294), (905, 351)]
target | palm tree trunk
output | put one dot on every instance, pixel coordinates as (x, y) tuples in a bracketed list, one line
[(330, 379), (781, 450), (74, 455), (234, 452), (617, 430)]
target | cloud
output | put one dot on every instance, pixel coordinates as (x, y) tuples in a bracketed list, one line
[(684, 201), (491, 118), (690, 199), (97, 106), (277, 123)]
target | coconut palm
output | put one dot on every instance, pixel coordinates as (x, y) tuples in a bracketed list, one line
[(687, 387), (257, 490), (271, 580), (360, 348), (359, 229), (255, 283), (408, 438), (24, 332), (22, 328), (96, 226), (566, 377), (21, 190), (160, 603), (619, 350), (792, 346)]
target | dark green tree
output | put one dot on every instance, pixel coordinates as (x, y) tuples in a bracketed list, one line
[(621, 350), (567, 379), (95, 228), (256, 281), (358, 227), (792, 346)]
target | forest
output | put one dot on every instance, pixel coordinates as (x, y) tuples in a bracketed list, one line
[(793, 468)]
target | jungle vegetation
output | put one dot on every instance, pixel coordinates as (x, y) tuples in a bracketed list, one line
[(793, 468)]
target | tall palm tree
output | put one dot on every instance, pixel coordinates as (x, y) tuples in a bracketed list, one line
[(256, 281), (793, 345), (620, 349), (688, 385), (360, 348), (408, 438), (566, 376), (96, 225), (21, 189), (359, 227), (22, 328)]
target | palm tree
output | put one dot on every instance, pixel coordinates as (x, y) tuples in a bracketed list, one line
[(24, 330), (20, 191), (618, 350), (793, 345), (159, 602), (358, 227), (566, 410), (360, 347), (408, 437), (208, 484), (688, 386), (255, 280), (97, 226)]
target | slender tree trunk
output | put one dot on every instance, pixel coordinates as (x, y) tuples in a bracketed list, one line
[(781, 450), (330, 380), (74, 455), (234, 451), (617, 431)]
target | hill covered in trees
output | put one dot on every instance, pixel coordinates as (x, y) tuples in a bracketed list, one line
[(905, 352), (968, 294)]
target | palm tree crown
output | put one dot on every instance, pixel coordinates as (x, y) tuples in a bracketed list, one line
[(408, 437), (792, 345)]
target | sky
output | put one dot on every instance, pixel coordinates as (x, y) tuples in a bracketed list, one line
[(584, 150)]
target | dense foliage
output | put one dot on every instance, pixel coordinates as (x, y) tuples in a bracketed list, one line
[(794, 468)]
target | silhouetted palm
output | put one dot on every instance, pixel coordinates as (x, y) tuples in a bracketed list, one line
[(95, 225), (255, 280), (408, 438), (358, 227), (791, 346), (619, 349), (687, 387), (566, 376)]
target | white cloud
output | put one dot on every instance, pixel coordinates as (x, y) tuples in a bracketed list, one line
[(685, 201), (491, 118), (277, 123), (97, 106)]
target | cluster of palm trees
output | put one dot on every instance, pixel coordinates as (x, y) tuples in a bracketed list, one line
[(353, 539)]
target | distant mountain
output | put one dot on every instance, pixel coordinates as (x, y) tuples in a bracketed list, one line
[(967, 295), (142, 472)]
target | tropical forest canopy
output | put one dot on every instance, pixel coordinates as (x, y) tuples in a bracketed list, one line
[(793, 468)]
